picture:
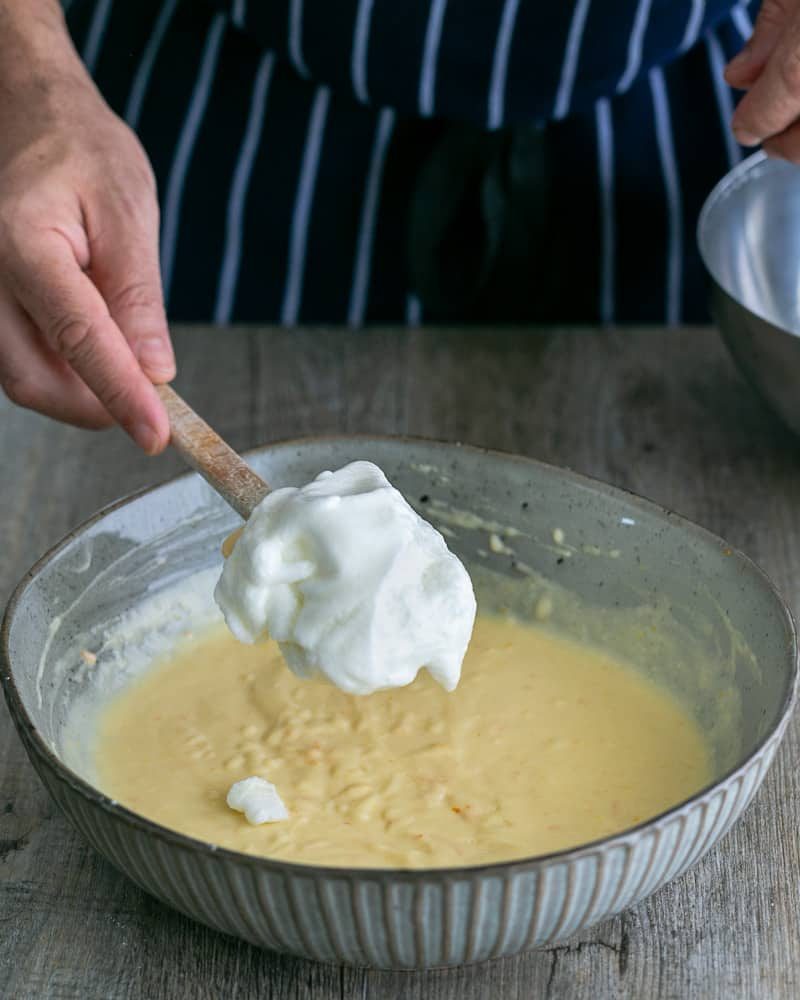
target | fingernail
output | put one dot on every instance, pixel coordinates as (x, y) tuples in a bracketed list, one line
[(156, 355), (146, 437), (745, 138)]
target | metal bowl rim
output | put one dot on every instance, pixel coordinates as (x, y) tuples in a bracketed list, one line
[(128, 817), (742, 174), (737, 177)]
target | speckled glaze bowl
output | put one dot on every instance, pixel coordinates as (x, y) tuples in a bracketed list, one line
[(619, 553)]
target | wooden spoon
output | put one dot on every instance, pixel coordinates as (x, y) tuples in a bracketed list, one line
[(205, 451)]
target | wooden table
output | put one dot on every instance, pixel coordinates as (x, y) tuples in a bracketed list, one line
[(661, 413)]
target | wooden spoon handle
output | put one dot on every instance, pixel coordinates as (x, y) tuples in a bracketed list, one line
[(206, 452)]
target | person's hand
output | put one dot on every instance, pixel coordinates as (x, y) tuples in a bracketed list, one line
[(83, 335), (768, 68)]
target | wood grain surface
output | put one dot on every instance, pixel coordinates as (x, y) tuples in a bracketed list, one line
[(661, 413)]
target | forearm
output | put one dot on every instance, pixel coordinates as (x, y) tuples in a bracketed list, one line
[(43, 83), (35, 45)]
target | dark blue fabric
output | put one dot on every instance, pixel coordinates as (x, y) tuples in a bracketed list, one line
[(467, 48), (346, 235)]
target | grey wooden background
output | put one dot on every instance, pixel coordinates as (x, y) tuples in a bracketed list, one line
[(661, 413)]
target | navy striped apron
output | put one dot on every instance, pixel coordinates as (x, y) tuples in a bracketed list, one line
[(289, 139)]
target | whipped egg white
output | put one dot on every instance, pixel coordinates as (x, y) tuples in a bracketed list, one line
[(351, 582), (258, 799)]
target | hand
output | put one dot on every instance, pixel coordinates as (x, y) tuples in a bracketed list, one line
[(83, 335), (768, 68)]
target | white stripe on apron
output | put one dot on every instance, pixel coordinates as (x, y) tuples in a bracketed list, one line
[(716, 59), (427, 77), (185, 147), (605, 177), (239, 12), (571, 55), (693, 25), (94, 37), (142, 79), (666, 151), (369, 211), (358, 65), (298, 239), (296, 37), (502, 48), (232, 253), (635, 45), (744, 24), (413, 310)]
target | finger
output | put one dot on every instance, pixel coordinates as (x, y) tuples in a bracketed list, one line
[(785, 146), (743, 70), (33, 377), (773, 102), (125, 267), (71, 314)]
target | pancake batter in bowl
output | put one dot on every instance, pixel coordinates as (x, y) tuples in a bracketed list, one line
[(544, 744)]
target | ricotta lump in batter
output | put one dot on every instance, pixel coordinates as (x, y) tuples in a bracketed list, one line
[(351, 582), (545, 744)]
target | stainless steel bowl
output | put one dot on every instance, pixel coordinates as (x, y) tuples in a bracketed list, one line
[(626, 560), (749, 236)]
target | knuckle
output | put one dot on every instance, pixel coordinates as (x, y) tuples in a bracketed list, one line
[(789, 74), (147, 177), (116, 396), (125, 217), (134, 203), (141, 169), (773, 12), (70, 335), (130, 185), (136, 295)]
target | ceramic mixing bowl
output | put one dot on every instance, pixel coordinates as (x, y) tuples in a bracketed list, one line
[(749, 237), (624, 561)]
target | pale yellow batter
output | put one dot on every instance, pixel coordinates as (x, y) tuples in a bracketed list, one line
[(545, 744)]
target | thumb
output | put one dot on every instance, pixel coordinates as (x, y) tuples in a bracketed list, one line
[(744, 69), (125, 269)]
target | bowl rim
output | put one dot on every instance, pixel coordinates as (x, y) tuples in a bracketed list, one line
[(737, 177), (141, 824)]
